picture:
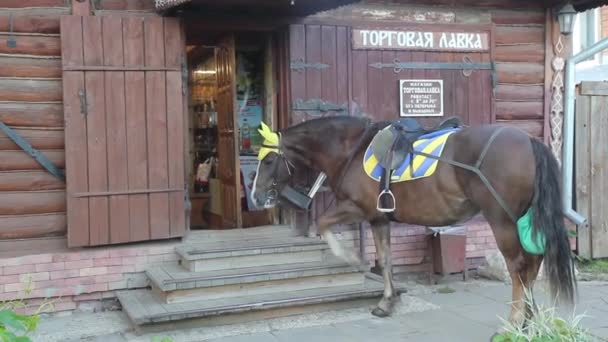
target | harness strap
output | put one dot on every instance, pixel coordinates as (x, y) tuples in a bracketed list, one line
[(475, 169)]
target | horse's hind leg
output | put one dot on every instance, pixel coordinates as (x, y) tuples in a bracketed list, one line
[(382, 239), (522, 267)]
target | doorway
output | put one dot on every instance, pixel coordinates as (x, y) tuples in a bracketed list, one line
[(231, 91)]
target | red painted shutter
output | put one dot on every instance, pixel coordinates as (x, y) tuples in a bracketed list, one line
[(124, 128)]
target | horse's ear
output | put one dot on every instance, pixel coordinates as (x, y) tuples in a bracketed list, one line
[(263, 128)]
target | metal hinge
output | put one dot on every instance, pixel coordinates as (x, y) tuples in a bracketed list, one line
[(318, 105), (84, 107), (299, 65)]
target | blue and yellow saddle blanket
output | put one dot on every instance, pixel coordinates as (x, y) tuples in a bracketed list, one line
[(431, 143)]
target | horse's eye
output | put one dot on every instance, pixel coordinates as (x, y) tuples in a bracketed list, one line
[(267, 161)]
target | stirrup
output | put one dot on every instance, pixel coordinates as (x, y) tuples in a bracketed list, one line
[(385, 210)]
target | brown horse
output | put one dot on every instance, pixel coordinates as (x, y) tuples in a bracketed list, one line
[(521, 169)]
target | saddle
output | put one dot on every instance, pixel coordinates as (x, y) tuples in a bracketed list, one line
[(392, 144)]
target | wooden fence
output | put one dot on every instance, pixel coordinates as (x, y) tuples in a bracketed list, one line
[(591, 153)]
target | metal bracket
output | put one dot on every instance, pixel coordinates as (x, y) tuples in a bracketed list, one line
[(11, 42), (318, 105), (299, 65), (467, 66), (84, 108), (34, 153), (184, 76)]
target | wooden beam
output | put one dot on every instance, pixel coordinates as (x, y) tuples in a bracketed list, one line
[(35, 45), (32, 226), (32, 202), (19, 160), (39, 138), (508, 110), (39, 114), (18, 66), (29, 181), (520, 73), (35, 90)]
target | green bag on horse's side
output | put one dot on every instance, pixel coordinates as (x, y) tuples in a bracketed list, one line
[(524, 229)]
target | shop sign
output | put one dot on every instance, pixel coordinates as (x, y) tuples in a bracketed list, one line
[(421, 97), (420, 40)]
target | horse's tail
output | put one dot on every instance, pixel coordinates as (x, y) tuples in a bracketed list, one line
[(548, 220)]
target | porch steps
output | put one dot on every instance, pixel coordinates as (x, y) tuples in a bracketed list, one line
[(249, 275)]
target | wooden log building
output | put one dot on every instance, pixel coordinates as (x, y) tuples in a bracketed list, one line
[(149, 108)]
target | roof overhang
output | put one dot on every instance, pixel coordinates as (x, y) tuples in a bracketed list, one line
[(269, 7)]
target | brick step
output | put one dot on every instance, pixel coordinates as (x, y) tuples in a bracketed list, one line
[(210, 256), (175, 284), (145, 308)]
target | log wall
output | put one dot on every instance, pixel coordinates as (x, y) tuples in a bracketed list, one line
[(32, 201), (520, 62)]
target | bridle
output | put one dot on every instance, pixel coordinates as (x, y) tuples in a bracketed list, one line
[(273, 193)]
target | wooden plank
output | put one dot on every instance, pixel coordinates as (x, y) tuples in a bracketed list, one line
[(139, 224), (476, 102), (594, 88), (532, 127), (515, 92), (49, 139), (156, 118), (343, 62), (32, 20), (174, 52), (520, 73), (297, 51), (32, 226), (520, 53), (374, 86), (515, 17), (96, 127), (29, 67), (19, 160), (118, 178), (32, 202), (387, 101), (33, 3), (507, 35), (36, 90), (75, 133), (29, 181), (359, 79), (314, 83), (507, 110), (329, 76), (31, 45), (17, 247), (599, 176), (31, 114), (584, 191)]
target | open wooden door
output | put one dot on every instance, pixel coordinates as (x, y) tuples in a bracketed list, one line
[(227, 134), (124, 128)]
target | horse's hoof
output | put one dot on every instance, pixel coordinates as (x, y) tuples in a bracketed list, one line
[(378, 312)]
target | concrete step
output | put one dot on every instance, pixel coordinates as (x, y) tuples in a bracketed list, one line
[(144, 308), (210, 256), (253, 233), (175, 284)]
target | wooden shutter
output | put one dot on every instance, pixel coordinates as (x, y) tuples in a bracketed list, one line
[(124, 128)]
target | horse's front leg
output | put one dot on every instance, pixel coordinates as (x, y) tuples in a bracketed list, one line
[(345, 212), (382, 239)]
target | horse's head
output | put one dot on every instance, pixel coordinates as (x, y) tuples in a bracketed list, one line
[(273, 171)]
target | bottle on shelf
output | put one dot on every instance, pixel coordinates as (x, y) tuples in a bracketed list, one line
[(246, 136)]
